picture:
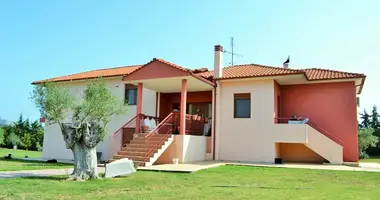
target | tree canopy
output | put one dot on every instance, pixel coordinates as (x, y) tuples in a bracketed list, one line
[(87, 125)]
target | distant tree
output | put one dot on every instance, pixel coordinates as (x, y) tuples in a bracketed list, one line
[(375, 126), (26, 141), (88, 124), (366, 140), (375, 123), (366, 119), (2, 136), (8, 129), (13, 139), (37, 134)]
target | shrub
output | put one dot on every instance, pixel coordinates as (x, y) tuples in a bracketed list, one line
[(366, 140), (13, 139), (38, 146), (363, 155)]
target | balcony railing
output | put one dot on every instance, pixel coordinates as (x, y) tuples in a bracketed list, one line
[(116, 139), (195, 124)]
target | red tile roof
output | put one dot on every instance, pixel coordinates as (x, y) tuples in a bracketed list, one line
[(110, 72), (251, 70), (237, 71), (326, 74), (255, 70)]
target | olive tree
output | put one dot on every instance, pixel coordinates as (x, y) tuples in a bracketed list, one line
[(87, 126)]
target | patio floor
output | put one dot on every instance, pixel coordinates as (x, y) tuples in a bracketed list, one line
[(185, 168), (196, 166)]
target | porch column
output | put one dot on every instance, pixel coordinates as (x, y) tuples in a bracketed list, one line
[(182, 110), (139, 106)]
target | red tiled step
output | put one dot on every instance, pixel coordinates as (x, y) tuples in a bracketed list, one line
[(135, 149), (149, 146), (134, 153)]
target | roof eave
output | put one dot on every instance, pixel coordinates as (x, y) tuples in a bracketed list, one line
[(71, 80), (261, 76), (362, 84)]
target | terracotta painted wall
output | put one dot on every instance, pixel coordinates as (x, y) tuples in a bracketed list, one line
[(276, 94), (168, 99), (293, 152), (155, 69), (331, 106)]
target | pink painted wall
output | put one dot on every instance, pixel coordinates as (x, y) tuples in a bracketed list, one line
[(331, 106)]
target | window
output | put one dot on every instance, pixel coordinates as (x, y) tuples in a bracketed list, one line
[(242, 105), (130, 94)]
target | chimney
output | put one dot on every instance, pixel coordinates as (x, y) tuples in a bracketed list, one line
[(218, 60), (286, 63)]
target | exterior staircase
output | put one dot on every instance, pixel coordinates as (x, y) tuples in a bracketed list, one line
[(145, 151), (145, 148), (315, 138), (329, 149)]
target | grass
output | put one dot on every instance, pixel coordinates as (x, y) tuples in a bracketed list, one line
[(20, 153), (227, 182), (375, 159), (15, 164)]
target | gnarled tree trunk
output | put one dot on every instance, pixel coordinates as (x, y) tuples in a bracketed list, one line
[(85, 163), (82, 141)]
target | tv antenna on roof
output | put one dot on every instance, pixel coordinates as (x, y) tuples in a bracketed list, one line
[(232, 51)]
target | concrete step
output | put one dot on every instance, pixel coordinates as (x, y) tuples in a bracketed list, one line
[(140, 163), (134, 158)]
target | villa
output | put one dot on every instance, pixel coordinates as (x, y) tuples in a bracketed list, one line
[(242, 113)]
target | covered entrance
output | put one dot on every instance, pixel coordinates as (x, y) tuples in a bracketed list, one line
[(178, 89), (198, 110)]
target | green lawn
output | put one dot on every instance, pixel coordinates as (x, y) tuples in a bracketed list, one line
[(227, 182), (16, 164), (372, 159), (20, 153)]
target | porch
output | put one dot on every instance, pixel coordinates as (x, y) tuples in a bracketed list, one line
[(183, 117), (177, 90)]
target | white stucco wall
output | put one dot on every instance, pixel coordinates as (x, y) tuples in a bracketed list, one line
[(187, 148), (194, 148), (54, 146), (245, 139)]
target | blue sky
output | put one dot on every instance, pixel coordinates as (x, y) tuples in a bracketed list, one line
[(43, 39)]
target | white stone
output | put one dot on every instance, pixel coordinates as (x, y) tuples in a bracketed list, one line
[(122, 167)]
